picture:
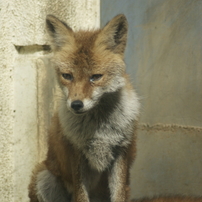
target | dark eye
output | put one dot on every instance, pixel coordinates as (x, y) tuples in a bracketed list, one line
[(95, 77), (67, 76)]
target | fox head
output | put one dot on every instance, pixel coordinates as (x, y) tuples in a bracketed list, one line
[(89, 64)]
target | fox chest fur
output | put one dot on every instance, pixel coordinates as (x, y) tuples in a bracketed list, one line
[(102, 134)]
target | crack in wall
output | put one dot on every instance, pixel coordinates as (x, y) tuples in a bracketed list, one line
[(169, 127), (30, 49)]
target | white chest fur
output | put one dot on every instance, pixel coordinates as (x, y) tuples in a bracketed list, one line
[(103, 131)]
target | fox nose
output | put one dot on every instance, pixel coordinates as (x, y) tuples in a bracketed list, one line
[(77, 105)]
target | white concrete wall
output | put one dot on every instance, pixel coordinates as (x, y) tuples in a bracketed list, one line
[(27, 86)]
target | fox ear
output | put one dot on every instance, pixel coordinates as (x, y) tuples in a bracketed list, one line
[(60, 33), (114, 34)]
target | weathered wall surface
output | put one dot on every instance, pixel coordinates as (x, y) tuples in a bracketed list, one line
[(6, 109), (164, 59), (27, 85)]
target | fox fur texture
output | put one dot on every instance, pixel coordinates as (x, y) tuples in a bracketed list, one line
[(91, 142)]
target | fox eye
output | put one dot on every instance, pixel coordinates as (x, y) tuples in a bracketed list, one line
[(95, 77), (67, 76)]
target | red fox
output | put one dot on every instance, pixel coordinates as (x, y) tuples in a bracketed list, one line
[(92, 137)]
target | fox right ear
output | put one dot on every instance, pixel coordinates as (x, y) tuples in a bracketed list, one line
[(60, 33), (114, 34)]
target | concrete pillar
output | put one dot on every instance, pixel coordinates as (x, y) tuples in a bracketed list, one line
[(27, 85)]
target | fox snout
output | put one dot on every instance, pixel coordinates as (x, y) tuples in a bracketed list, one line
[(77, 105), (81, 106)]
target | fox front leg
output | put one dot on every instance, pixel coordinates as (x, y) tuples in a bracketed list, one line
[(80, 192), (50, 188), (118, 180)]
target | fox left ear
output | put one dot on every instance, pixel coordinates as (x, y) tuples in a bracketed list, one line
[(114, 34), (61, 34)]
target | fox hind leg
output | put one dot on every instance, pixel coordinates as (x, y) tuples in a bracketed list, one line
[(50, 188)]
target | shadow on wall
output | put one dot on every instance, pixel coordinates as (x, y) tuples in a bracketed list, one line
[(164, 59), (169, 71)]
